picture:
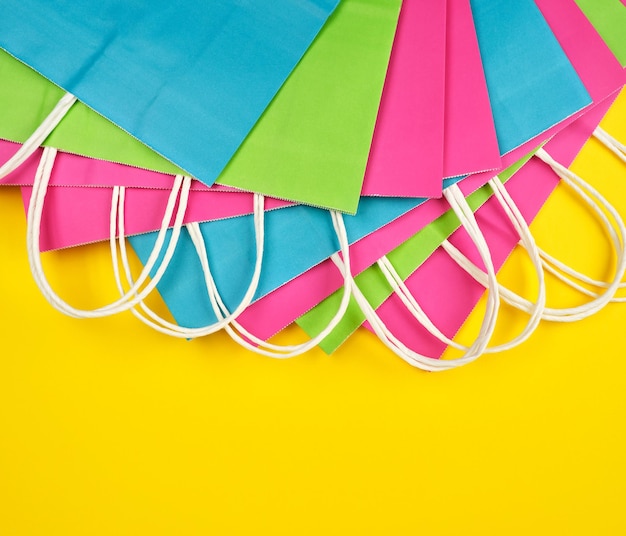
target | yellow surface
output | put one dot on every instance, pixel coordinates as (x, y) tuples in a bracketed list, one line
[(109, 428)]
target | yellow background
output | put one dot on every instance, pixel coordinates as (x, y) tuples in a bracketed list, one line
[(109, 428)]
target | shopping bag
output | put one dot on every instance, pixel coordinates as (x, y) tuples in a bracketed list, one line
[(312, 145), (470, 140), (511, 34), (27, 98), (302, 237), (78, 206), (189, 80)]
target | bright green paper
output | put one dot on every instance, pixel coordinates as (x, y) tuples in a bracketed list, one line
[(311, 144), (26, 98), (406, 258), (609, 19), (318, 155)]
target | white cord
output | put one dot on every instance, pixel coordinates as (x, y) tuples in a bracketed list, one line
[(132, 297), (616, 232), (40, 134), (567, 274), (569, 314), (516, 218), (158, 323), (464, 212), (614, 145), (243, 337)]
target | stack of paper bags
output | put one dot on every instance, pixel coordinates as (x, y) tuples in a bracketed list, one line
[(327, 163)]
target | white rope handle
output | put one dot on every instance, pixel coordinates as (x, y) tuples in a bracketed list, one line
[(466, 216), (566, 273), (246, 339), (133, 296), (569, 314), (611, 143), (40, 134), (516, 218), (617, 234), (160, 324)]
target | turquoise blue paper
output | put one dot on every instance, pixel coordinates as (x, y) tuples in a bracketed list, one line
[(296, 239), (533, 87), (531, 83), (189, 78)]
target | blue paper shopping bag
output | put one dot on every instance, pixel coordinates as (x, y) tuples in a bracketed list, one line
[(296, 238), (189, 79)]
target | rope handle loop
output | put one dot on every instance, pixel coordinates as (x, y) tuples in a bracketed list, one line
[(413, 358), (248, 340), (228, 320), (515, 217), (151, 319), (616, 232), (180, 193)]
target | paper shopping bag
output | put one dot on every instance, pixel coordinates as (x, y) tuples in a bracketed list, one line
[(470, 140), (78, 206), (514, 35), (312, 144), (296, 238), (189, 80)]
